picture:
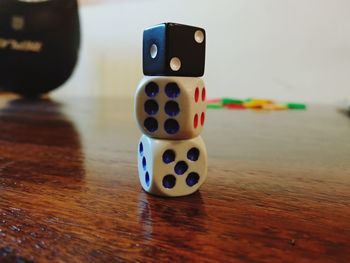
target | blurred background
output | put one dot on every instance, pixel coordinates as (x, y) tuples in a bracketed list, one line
[(291, 50)]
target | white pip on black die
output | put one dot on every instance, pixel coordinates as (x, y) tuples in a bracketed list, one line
[(171, 107), (172, 167)]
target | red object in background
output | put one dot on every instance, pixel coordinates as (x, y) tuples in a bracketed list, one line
[(235, 106), (214, 101)]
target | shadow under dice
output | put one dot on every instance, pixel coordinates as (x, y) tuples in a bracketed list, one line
[(171, 107), (172, 168)]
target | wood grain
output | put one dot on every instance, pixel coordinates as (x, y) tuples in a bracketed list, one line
[(278, 187)]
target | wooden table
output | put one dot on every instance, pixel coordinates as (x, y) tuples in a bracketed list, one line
[(278, 188)]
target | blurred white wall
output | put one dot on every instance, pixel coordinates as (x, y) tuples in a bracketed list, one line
[(283, 49)]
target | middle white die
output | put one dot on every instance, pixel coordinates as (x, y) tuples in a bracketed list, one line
[(171, 107)]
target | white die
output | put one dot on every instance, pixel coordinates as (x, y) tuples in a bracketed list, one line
[(172, 167), (171, 107)]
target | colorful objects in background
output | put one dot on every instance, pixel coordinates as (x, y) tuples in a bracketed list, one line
[(252, 103)]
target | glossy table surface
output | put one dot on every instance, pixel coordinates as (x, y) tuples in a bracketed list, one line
[(278, 188)]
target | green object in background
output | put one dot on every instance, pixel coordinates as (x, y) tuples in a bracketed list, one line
[(231, 101), (214, 106), (296, 106)]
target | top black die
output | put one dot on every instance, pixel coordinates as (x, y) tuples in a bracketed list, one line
[(171, 49)]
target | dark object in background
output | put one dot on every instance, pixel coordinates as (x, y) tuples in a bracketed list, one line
[(171, 49), (39, 44)]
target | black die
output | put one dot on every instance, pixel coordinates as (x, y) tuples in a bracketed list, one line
[(171, 49)]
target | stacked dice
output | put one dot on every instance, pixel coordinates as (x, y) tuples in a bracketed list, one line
[(170, 107)]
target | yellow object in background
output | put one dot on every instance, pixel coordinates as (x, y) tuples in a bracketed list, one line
[(275, 107), (257, 103)]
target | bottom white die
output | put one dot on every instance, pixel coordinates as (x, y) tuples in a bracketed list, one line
[(172, 167)]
